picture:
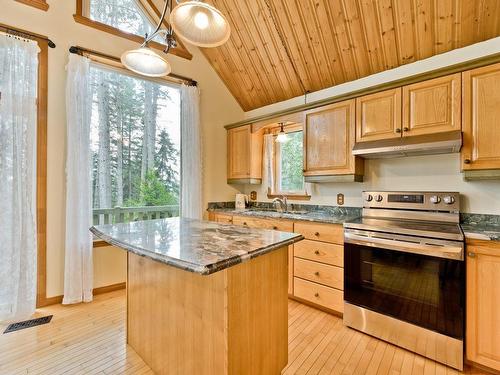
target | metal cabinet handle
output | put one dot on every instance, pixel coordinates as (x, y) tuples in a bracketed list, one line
[(406, 129), (316, 234), (316, 252), (316, 273), (470, 254), (316, 294), (245, 223), (467, 161), (398, 130), (275, 227)]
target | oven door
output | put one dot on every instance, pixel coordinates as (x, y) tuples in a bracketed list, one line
[(417, 280)]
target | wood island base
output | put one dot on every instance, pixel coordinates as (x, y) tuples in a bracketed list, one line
[(234, 321)]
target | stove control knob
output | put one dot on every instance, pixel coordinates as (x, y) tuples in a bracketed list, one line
[(378, 198), (435, 199), (369, 198), (448, 199)]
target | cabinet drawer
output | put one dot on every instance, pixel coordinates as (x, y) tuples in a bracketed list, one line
[(319, 273), (282, 225), (221, 218), (320, 252), (321, 232), (330, 298)]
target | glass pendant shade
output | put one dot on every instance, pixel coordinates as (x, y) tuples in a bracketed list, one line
[(200, 24), (282, 136), (146, 62)]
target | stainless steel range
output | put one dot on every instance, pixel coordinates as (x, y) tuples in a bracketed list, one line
[(404, 273)]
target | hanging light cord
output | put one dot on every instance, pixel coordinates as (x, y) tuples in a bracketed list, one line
[(169, 33)]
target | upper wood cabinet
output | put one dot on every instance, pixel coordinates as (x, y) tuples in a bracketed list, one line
[(483, 314), (244, 155), (329, 135), (378, 116), (432, 106), (481, 118)]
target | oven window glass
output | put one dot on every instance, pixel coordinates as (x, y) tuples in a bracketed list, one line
[(422, 290)]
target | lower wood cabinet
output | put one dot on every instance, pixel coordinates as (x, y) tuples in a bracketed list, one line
[(315, 265), (320, 273), (330, 298), (483, 301)]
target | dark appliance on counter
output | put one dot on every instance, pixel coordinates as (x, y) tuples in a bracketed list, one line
[(404, 273)]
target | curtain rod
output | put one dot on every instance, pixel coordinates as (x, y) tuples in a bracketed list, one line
[(26, 34), (81, 50)]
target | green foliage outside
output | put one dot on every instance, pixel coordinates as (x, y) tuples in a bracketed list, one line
[(292, 159), (153, 192)]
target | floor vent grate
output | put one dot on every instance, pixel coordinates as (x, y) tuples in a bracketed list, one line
[(28, 323)]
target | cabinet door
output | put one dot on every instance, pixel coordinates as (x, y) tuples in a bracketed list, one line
[(378, 116), (329, 138), (481, 118), (238, 152), (483, 311), (432, 106)]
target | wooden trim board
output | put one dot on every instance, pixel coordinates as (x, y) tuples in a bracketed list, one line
[(96, 291), (39, 4)]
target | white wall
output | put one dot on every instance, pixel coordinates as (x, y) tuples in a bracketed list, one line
[(439, 173), (420, 173), (218, 107)]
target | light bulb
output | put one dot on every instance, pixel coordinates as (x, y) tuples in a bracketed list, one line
[(201, 20), (282, 137)]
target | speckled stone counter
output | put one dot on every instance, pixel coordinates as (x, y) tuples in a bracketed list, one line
[(193, 245), (315, 213), (481, 227)]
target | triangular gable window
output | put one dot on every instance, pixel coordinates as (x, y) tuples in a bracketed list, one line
[(125, 15)]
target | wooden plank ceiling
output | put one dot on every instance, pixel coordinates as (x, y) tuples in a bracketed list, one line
[(280, 49)]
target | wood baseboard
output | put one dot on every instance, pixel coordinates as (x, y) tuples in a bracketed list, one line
[(103, 289)]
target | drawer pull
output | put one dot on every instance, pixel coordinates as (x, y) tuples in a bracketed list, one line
[(316, 273), (245, 223), (316, 252), (275, 227), (316, 234), (316, 294)]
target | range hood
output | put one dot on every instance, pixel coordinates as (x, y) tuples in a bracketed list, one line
[(439, 143)]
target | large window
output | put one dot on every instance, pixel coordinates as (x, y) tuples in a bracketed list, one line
[(289, 160), (135, 140)]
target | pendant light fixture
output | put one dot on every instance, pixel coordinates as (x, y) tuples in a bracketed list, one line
[(282, 136), (200, 24), (194, 21)]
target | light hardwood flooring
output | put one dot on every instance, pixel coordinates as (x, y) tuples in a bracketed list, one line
[(90, 339)]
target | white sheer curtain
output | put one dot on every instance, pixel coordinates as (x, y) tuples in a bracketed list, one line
[(18, 124), (268, 165), (78, 269), (191, 154)]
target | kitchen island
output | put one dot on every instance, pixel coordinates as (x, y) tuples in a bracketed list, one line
[(205, 298)]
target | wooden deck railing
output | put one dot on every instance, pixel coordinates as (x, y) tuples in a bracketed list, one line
[(127, 214)]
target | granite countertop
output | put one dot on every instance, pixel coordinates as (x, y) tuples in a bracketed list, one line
[(481, 227), (320, 216), (193, 245)]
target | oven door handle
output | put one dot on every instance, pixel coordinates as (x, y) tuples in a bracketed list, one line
[(440, 251)]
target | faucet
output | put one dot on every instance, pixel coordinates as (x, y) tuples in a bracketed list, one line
[(283, 204)]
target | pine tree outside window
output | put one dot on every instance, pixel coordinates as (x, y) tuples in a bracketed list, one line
[(289, 160), (125, 15), (135, 142)]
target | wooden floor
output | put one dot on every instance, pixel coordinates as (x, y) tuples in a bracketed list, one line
[(90, 339)]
